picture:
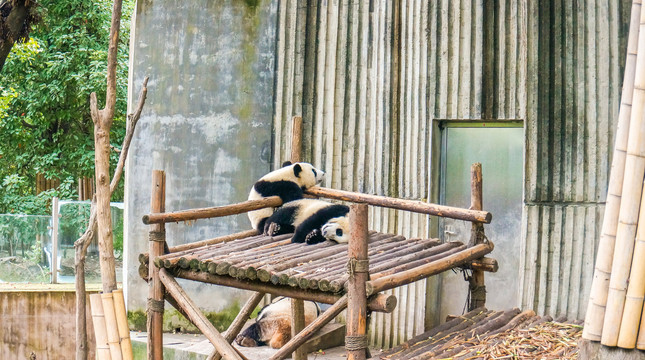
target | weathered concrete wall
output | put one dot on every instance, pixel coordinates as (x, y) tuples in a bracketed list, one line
[(206, 122), (42, 322)]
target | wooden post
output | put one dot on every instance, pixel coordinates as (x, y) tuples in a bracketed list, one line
[(358, 267), (156, 243), (296, 139), (476, 286), (297, 324), (55, 222), (297, 305)]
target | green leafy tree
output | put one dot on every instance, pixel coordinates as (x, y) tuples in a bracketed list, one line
[(45, 123)]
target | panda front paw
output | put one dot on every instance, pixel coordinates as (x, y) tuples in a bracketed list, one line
[(273, 229), (314, 237)]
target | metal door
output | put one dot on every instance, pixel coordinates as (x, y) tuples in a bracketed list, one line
[(500, 150)]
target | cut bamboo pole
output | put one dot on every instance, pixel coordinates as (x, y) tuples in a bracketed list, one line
[(598, 296), (630, 204), (100, 331), (640, 343), (122, 323), (111, 326), (636, 291), (197, 318), (402, 204)]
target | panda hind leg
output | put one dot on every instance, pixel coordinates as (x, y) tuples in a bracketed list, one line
[(314, 237), (275, 228)]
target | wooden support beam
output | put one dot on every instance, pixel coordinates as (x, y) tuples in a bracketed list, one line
[(403, 204), (476, 283), (378, 302), (422, 272), (484, 264), (197, 318), (311, 329), (156, 243), (237, 324), (212, 212), (358, 268), (297, 325)]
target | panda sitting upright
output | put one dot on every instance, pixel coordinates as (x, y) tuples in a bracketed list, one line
[(288, 183), (312, 221)]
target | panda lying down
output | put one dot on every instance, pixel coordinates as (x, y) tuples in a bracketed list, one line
[(312, 221), (273, 325)]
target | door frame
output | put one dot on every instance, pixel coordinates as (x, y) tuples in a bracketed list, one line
[(435, 184)]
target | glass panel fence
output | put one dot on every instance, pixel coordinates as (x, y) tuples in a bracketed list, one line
[(25, 248)]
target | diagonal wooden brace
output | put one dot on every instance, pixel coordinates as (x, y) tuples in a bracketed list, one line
[(197, 318)]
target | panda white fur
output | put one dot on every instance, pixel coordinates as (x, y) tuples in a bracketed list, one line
[(288, 183), (312, 221), (273, 324)]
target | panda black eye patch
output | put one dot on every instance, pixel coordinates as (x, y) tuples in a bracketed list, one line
[(339, 232)]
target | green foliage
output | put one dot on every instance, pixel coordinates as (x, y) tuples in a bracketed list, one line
[(45, 123)]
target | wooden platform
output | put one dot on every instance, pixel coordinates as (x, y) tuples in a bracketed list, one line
[(275, 261)]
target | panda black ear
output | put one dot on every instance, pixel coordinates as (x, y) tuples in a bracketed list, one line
[(297, 169), (286, 163)]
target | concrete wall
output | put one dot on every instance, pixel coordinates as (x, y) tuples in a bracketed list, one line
[(42, 322), (206, 122)]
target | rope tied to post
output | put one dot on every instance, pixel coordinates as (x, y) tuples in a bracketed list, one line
[(357, 266), (157, 236), (155, 305), (355, 342)]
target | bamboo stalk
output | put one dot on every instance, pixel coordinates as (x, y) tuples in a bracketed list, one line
[(211, 212), (636, 291), (403, 204), (197, 318), (122, 324), (100, 330), (640, 343), (111, 326), (598, 296)]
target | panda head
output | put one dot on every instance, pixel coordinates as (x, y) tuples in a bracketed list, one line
[(302, 173), (337, 229)]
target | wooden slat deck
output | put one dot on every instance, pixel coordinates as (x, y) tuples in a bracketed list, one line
[(321, 267)]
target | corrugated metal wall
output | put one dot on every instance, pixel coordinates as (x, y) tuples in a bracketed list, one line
[(369, 76)]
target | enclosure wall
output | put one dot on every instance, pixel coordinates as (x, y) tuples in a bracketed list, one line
[(369, 78), (206, 121)]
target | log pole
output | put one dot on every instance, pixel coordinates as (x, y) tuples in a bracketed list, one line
[(358, 267), (297, 325), (403, 204), (296, 139), (157, 240), (211, 212), (196, 317), (476, 284)]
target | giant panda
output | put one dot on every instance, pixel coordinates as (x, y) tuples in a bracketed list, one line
[(312, 221), (288, 183), (273, 324)]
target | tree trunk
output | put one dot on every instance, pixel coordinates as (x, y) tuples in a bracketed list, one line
[(12, 27)]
